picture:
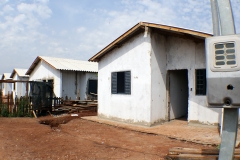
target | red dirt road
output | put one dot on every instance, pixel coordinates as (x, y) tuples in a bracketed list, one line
[(26, 138)]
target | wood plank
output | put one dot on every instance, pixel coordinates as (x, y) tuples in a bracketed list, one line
[(197, 157), (193, 157), (82, 102), (193, 150), (34, 114), (197, 151), (92, 103)]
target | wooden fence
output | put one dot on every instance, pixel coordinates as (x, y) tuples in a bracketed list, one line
[(7, 101), (10, 107)]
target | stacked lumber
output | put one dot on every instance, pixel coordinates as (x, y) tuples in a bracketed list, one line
[(178, 153), (71, 106)]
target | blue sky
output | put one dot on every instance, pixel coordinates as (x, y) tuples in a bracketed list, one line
[(78, 29)]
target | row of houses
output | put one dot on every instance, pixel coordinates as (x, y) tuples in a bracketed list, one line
[(151, 74), (73, 79)]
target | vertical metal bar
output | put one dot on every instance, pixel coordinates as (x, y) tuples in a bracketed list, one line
[(226, 17), (230, 116), (229, 134), (215, 19)]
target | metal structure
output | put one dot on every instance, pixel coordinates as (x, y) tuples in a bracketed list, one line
[(41, 95), (222, 73)]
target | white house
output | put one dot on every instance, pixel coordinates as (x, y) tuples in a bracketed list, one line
[(154, 73), (72, 78), (6, 87), (19, 88)]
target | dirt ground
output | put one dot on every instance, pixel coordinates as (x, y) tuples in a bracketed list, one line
[(74, 138)]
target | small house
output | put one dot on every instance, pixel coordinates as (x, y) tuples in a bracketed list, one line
[(154, 73), (6, 87), (72, 79), (20, 86)]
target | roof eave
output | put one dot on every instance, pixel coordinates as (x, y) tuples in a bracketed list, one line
[(100, 54), (96, 57), (34, 64), (13, 73)]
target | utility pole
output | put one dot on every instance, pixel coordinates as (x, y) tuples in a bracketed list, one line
[(223, 24)]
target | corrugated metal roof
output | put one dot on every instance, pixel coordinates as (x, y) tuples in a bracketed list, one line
[(20, 72), (6, 76), (65, 64), (140, 27)]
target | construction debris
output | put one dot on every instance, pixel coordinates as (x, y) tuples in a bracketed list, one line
[(71, 106)]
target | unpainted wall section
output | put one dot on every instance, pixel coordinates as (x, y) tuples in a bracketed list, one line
[(88, 76), (132, 56), (70, 84), (75, 84), (158, 78), (190, 55), (43, 71)]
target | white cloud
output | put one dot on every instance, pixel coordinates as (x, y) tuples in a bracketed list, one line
[(43, 1), (20, 31), (41, 10), (3, 2), (7, 9), (63, 33), (19, 18), (81, 29)]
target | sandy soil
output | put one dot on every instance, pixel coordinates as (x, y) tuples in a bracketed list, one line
[(74, 138)]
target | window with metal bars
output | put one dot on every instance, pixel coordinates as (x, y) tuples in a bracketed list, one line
[(200, 81), (121, 82)]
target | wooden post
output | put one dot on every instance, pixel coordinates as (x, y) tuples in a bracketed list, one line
[(26, 89), (54, 101), (11, 102), (8, 101)]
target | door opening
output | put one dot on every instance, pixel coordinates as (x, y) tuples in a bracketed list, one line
[(178, 94)]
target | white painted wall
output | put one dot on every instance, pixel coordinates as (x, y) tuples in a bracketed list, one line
[(132, 56), (20, 87), (43, 71), (6, 88)]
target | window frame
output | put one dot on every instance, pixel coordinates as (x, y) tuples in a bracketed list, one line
[(198, 90), (127, 83)]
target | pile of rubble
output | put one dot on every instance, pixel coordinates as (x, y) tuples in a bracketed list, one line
[(76, 106)]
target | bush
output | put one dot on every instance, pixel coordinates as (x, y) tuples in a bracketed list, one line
[(22, 109), (4, 110)]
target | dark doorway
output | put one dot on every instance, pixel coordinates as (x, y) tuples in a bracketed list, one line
[(178, 93)]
